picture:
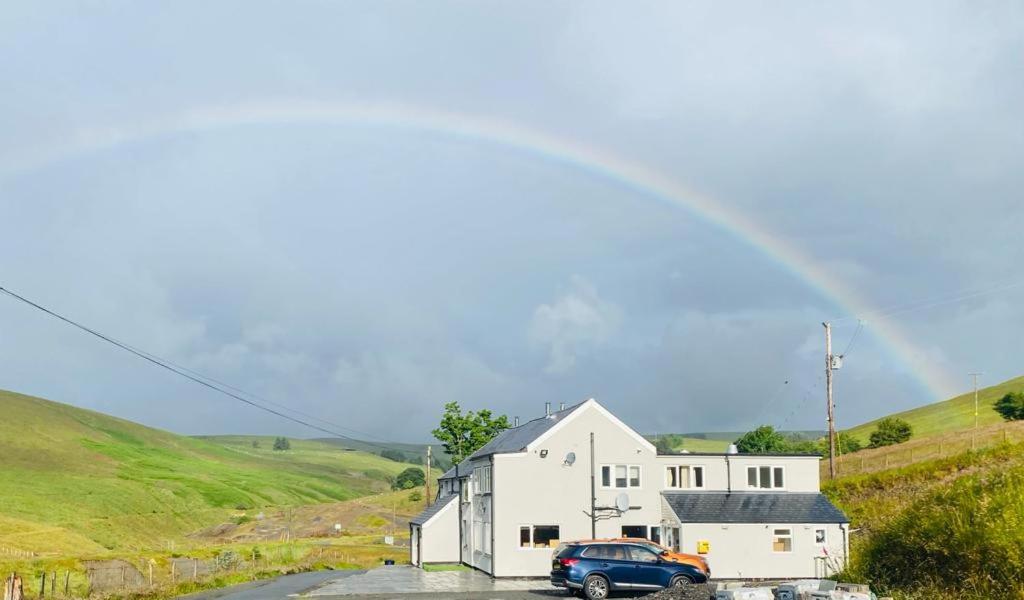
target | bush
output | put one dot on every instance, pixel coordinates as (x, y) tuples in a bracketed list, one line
[(1011, 406), (410, 478), (966, 537), (889, 431), (415, 496), (282, 443), (394, 455)]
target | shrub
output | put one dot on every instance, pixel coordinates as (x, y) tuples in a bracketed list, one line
[(410, 478), (394, 455), (1011, 406), (889, 431), (282, 443), (415, 496)]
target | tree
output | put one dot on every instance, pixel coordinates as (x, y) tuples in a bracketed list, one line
[(282, 443), (464, 434), (255, 443), (846, 443), (889, 431), (410, 478), (1011, 406), (391, 454), (664, 445), (763, 440)]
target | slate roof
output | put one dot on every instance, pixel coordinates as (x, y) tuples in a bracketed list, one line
[(753, 507), (433, 509), (518, 438)]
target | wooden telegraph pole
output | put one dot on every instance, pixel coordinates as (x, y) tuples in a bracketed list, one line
[(428, 476), (828, 398)]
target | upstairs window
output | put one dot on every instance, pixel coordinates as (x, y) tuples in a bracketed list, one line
[(682, 477), (620, 476), (766, 477), (482, 479)]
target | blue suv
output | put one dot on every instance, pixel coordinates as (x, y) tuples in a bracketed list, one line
[(598, 568)]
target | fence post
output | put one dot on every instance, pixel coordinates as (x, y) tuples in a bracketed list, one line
[(42, 586), (174, 565), (195, 569), (150, 573), (67, 582), (53, 584)]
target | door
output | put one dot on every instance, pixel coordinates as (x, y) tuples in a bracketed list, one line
[(414, 546), (612, 560), (648, 570)]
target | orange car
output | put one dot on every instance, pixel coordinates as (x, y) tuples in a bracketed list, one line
[(695, 560)]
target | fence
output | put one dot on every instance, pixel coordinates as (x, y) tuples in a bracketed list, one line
[(917, 450)]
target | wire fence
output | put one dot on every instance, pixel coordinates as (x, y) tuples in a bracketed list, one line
[(873, 460)]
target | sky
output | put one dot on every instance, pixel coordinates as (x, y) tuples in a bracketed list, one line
[(364, 210)]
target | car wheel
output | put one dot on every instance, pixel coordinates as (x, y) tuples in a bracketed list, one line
[(595, 587), (680, 581)]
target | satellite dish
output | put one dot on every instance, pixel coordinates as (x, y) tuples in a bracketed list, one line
[(622, 502), (570, 458)]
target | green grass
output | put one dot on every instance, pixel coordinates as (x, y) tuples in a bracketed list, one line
[(445, 567), (950, 415), (938, 529), (77, 481)]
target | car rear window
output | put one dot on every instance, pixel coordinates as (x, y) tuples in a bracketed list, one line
[(606, 552), (564, 550)]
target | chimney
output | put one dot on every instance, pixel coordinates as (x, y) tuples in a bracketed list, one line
[(561, 406), (516, 422), (547, 409)]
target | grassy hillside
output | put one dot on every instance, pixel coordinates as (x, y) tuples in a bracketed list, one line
[(940, 529), (950, 415), (77, 481)]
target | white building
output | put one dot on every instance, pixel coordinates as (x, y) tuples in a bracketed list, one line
[(505, 508)]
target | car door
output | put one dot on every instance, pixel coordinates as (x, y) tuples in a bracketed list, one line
[(648, 571), (613, 560)]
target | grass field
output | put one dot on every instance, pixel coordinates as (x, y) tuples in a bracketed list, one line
[(951, 415), (73, 481)]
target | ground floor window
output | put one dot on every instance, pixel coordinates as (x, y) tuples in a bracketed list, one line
[(634, 531), (675, 542), (782, 540), (656, 535), (538, 536)]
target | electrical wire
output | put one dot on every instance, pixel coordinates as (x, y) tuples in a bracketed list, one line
[(899, 309), (193, 376), (856, 332)]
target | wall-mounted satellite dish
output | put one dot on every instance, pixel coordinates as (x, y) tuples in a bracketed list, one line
[(570, 458), (622, 502)]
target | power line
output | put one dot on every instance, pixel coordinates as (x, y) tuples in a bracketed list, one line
[(203, 380), (924, 304), (856, 332)]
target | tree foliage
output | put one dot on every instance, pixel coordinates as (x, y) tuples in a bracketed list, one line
[(463, 434), (392, 454), (1011, 406), (410, 478), (763, 440), (889, 431), (282, 443)]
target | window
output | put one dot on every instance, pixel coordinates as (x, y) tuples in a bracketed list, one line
[(640, 554), (656, 534), (820, 536), (698, 477), (606, 552), (466, 490), (671, 477), (782, 540), (620, 476), (634, 531), (482, 476), (766, 477), (538, 536)]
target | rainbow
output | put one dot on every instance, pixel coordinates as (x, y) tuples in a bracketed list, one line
[(473, 129)]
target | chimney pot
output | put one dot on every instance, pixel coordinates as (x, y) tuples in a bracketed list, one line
[(561, 406), (547, 409), (516, 421)]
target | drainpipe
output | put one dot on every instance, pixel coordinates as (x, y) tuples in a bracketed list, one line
[(728, 475), (593, 492), (493, 550)]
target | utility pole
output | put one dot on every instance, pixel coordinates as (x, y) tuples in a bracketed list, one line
[(828, 397), (974, 436), (428, 476)]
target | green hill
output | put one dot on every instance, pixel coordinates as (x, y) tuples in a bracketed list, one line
[(950, 415), (77, 481), (942, 529)]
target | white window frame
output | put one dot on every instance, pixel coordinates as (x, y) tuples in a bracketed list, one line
[(533, 530), (611, 478), (824, 536), (483, 478), (771, 477), (776, 535), (703, 477), (691, 481)]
